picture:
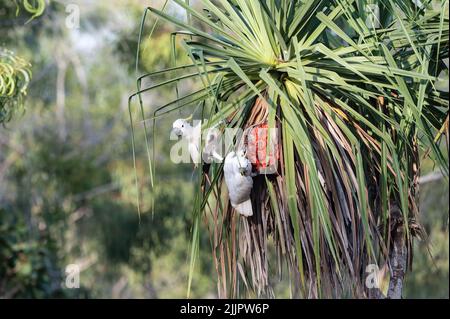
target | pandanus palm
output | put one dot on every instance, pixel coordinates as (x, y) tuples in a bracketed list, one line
[(350, 85), (15, 72), (15, 76)]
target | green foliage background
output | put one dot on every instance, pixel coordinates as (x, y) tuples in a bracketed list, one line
[(67, 193)]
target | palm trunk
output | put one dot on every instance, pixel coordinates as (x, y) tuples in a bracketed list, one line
[(398, 261)]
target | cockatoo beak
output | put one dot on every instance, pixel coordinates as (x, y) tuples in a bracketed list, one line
[(176, 131)]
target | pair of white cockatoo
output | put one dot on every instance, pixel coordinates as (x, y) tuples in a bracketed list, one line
[(237, 168)]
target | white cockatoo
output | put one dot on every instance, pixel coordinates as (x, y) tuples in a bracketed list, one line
[(192, 135), (237, 171), (183, 129)]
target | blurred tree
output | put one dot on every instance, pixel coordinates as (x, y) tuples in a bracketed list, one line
[(431, 267), (70, 198)]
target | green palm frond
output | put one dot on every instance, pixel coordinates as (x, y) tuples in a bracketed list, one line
[(15, 74), (34, 7), (353, 96)]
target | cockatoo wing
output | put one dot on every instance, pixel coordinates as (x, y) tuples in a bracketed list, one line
[(194, 143), (194, 152), (197, 132)]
